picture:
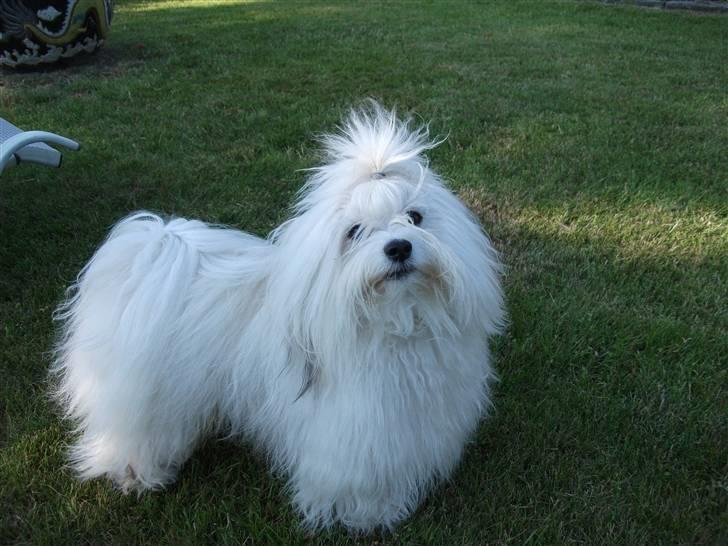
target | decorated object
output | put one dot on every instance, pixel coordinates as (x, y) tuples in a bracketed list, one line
[(44, 31)]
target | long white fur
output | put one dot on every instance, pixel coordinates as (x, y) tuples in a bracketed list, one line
[(363, 390)]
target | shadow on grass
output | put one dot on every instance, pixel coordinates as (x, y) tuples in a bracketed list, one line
[(608, 419)]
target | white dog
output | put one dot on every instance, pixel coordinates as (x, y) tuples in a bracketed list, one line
[(352, 345)]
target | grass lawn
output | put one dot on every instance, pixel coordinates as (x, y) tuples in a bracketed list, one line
[(592, 141)]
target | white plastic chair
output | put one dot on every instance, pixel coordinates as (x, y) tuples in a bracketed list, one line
[(17, 146)]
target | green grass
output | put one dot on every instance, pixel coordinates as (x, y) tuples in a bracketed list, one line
[(590, 139)]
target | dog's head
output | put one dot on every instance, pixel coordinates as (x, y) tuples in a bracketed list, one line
[(378, 243)]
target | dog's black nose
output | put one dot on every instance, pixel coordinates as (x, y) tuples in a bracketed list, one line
[(398, 250)]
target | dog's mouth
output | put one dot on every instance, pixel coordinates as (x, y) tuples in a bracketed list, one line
[(395, 274), (399, 273)]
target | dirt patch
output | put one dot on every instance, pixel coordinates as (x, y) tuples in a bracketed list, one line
[(108, 62)]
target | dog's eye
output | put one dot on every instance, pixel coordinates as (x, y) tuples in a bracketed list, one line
[(415, 216), (353, 231)]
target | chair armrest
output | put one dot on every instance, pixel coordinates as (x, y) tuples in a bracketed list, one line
[(24, 146)]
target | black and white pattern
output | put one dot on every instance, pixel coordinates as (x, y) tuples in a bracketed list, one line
[(43, 31)]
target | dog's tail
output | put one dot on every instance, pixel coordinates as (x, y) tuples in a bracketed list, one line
[(126, 330), (372, 144), (133, 282)]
